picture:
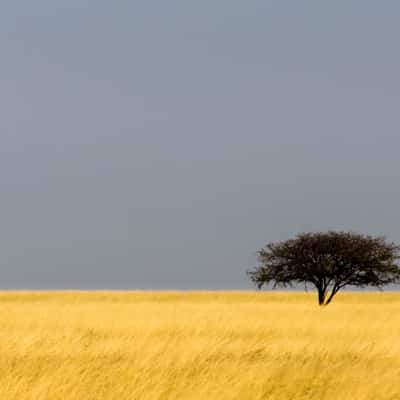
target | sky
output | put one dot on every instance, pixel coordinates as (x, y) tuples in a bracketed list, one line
[(160, 144)]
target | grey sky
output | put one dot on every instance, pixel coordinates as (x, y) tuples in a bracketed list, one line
[(159, 144)]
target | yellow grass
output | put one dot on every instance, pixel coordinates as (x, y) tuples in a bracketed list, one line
[(198, 345)]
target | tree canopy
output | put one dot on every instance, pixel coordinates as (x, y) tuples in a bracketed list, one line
[(328, 261)]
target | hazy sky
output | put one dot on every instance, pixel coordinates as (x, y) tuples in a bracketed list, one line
[(160, 144)]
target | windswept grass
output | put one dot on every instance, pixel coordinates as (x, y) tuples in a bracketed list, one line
[(198, 345)]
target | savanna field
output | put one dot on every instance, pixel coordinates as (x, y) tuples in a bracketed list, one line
[(199, 345)]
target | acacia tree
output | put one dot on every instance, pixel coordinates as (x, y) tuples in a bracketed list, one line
[(329, 261)]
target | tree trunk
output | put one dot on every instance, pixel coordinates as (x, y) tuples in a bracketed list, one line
[(321, 296), (334, 291)]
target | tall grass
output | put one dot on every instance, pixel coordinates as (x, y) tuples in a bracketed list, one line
[(198, 345)]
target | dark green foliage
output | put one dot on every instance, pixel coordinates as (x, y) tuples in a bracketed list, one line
[(329, 261)]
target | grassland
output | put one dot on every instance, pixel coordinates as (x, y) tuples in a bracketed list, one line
[(198, 345)]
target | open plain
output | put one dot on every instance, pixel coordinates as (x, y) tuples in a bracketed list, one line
[(199, 345)]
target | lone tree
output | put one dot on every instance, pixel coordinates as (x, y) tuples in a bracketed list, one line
[(329, 261)]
